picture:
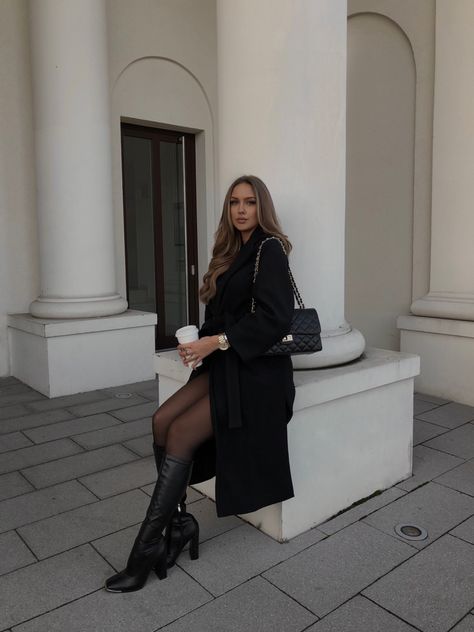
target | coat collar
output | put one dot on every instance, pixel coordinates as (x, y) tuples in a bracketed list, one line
[(245, 253)]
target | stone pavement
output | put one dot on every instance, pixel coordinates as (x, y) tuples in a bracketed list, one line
[(76, 473)]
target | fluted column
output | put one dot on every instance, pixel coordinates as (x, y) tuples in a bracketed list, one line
[(282, 117), (73, 162), (451, 293)]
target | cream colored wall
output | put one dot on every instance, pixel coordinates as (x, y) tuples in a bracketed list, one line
[(162, 58), (19, 277), (389, 132)]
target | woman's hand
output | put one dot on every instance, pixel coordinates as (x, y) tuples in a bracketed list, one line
[(195, 351)]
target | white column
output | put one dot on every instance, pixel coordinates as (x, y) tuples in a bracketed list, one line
[(73, 162), (451, 293), (282, 117)]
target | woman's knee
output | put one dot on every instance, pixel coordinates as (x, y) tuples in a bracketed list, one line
[(159, 424)]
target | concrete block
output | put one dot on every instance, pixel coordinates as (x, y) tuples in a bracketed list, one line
[(71, 427), (433, 590), (146, 610), (29, 592), (13, 441), (25, 457), (255, 605), (329, 573), (436, 508), (56, 534), (78, 465), (105, 405), (449, 415), (360, 615), (36, 505), (13, 484), (117, 480), (459, 442), (427, 464), (13, 553), (117, 434), (33, 420), (460, 478)]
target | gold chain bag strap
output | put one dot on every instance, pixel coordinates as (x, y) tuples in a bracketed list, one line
[(305, 331)]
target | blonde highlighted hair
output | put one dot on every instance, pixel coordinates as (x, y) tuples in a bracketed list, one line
[(227, 238)]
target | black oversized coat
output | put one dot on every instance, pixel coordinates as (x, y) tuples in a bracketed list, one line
[(251, 395)]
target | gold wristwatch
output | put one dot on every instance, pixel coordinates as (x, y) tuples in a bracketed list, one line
[(223, 342)]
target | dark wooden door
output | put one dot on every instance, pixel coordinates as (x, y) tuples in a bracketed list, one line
[(159, 193)]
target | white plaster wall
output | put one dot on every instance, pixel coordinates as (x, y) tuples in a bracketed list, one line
[(389, 141), (162, 58), (19, 277)]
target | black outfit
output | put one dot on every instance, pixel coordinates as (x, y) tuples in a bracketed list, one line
[(251, 396)]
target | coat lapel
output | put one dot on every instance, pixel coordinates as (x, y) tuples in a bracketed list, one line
[(245, 253)]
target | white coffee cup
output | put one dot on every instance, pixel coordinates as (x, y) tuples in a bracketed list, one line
[(188, 334)]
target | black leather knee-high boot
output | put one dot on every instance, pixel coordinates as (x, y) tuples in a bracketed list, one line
[(149, 549), (183, 527)]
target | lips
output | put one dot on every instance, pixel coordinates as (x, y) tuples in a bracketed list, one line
[(241, 221)]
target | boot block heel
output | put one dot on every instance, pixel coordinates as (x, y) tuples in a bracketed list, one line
[(161, 568), (194, 546)]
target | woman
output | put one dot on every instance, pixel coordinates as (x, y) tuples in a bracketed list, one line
[(230, 419)]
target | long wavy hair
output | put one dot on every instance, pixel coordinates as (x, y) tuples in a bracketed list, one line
[(227, 238)]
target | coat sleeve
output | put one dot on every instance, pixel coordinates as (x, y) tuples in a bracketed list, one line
[(256, 332)]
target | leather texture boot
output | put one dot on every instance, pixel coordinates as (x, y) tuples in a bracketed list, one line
[(149, 549), (183, 527)]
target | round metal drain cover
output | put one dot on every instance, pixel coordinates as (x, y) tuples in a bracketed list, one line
[(123, 395), (411, 532)]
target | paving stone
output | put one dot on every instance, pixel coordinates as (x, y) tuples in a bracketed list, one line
[(360, 511), (151, 394), (25, 457), (360, 615), (431, 398), (121, 479), (434, 589), (141, 445), (136, 412), (427, 464), (22, 397), (449, 415), (14, 387), (13, 441), (255, 605), (13, 484), (29, 592), (59, 533), (145, 610), (12, 411), (106, 405), (436, 508), (33, 420), (460, 478), (459, 442), (465, 530), (420, 406), (423, 431), (466, 625), (239, 554), (337, 568), (117, 434), (9, 380), (70, 400), (71, 427), (78, 465), (134, 387), (36, 505), (13, 553)]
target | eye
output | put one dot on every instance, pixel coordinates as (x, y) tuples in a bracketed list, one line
[(251, 201), (233, 202)]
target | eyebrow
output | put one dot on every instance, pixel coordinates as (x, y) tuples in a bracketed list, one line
[(249, 197)]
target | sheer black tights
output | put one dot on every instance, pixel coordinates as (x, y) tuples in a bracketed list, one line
[(183, 421)]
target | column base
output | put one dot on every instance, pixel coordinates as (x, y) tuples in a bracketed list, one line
[(45, 307), (446, 348), (445, 305), (351, 435), (340, 346), (63, 357)]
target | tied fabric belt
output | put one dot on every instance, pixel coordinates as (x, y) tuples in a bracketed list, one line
[(231, 360)]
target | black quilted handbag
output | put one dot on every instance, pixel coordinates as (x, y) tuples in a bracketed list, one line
[(304, 335)]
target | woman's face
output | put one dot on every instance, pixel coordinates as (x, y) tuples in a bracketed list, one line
[(243, 209)]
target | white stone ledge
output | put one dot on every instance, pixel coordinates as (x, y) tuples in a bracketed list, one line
[(435, 325), (50, 328)]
